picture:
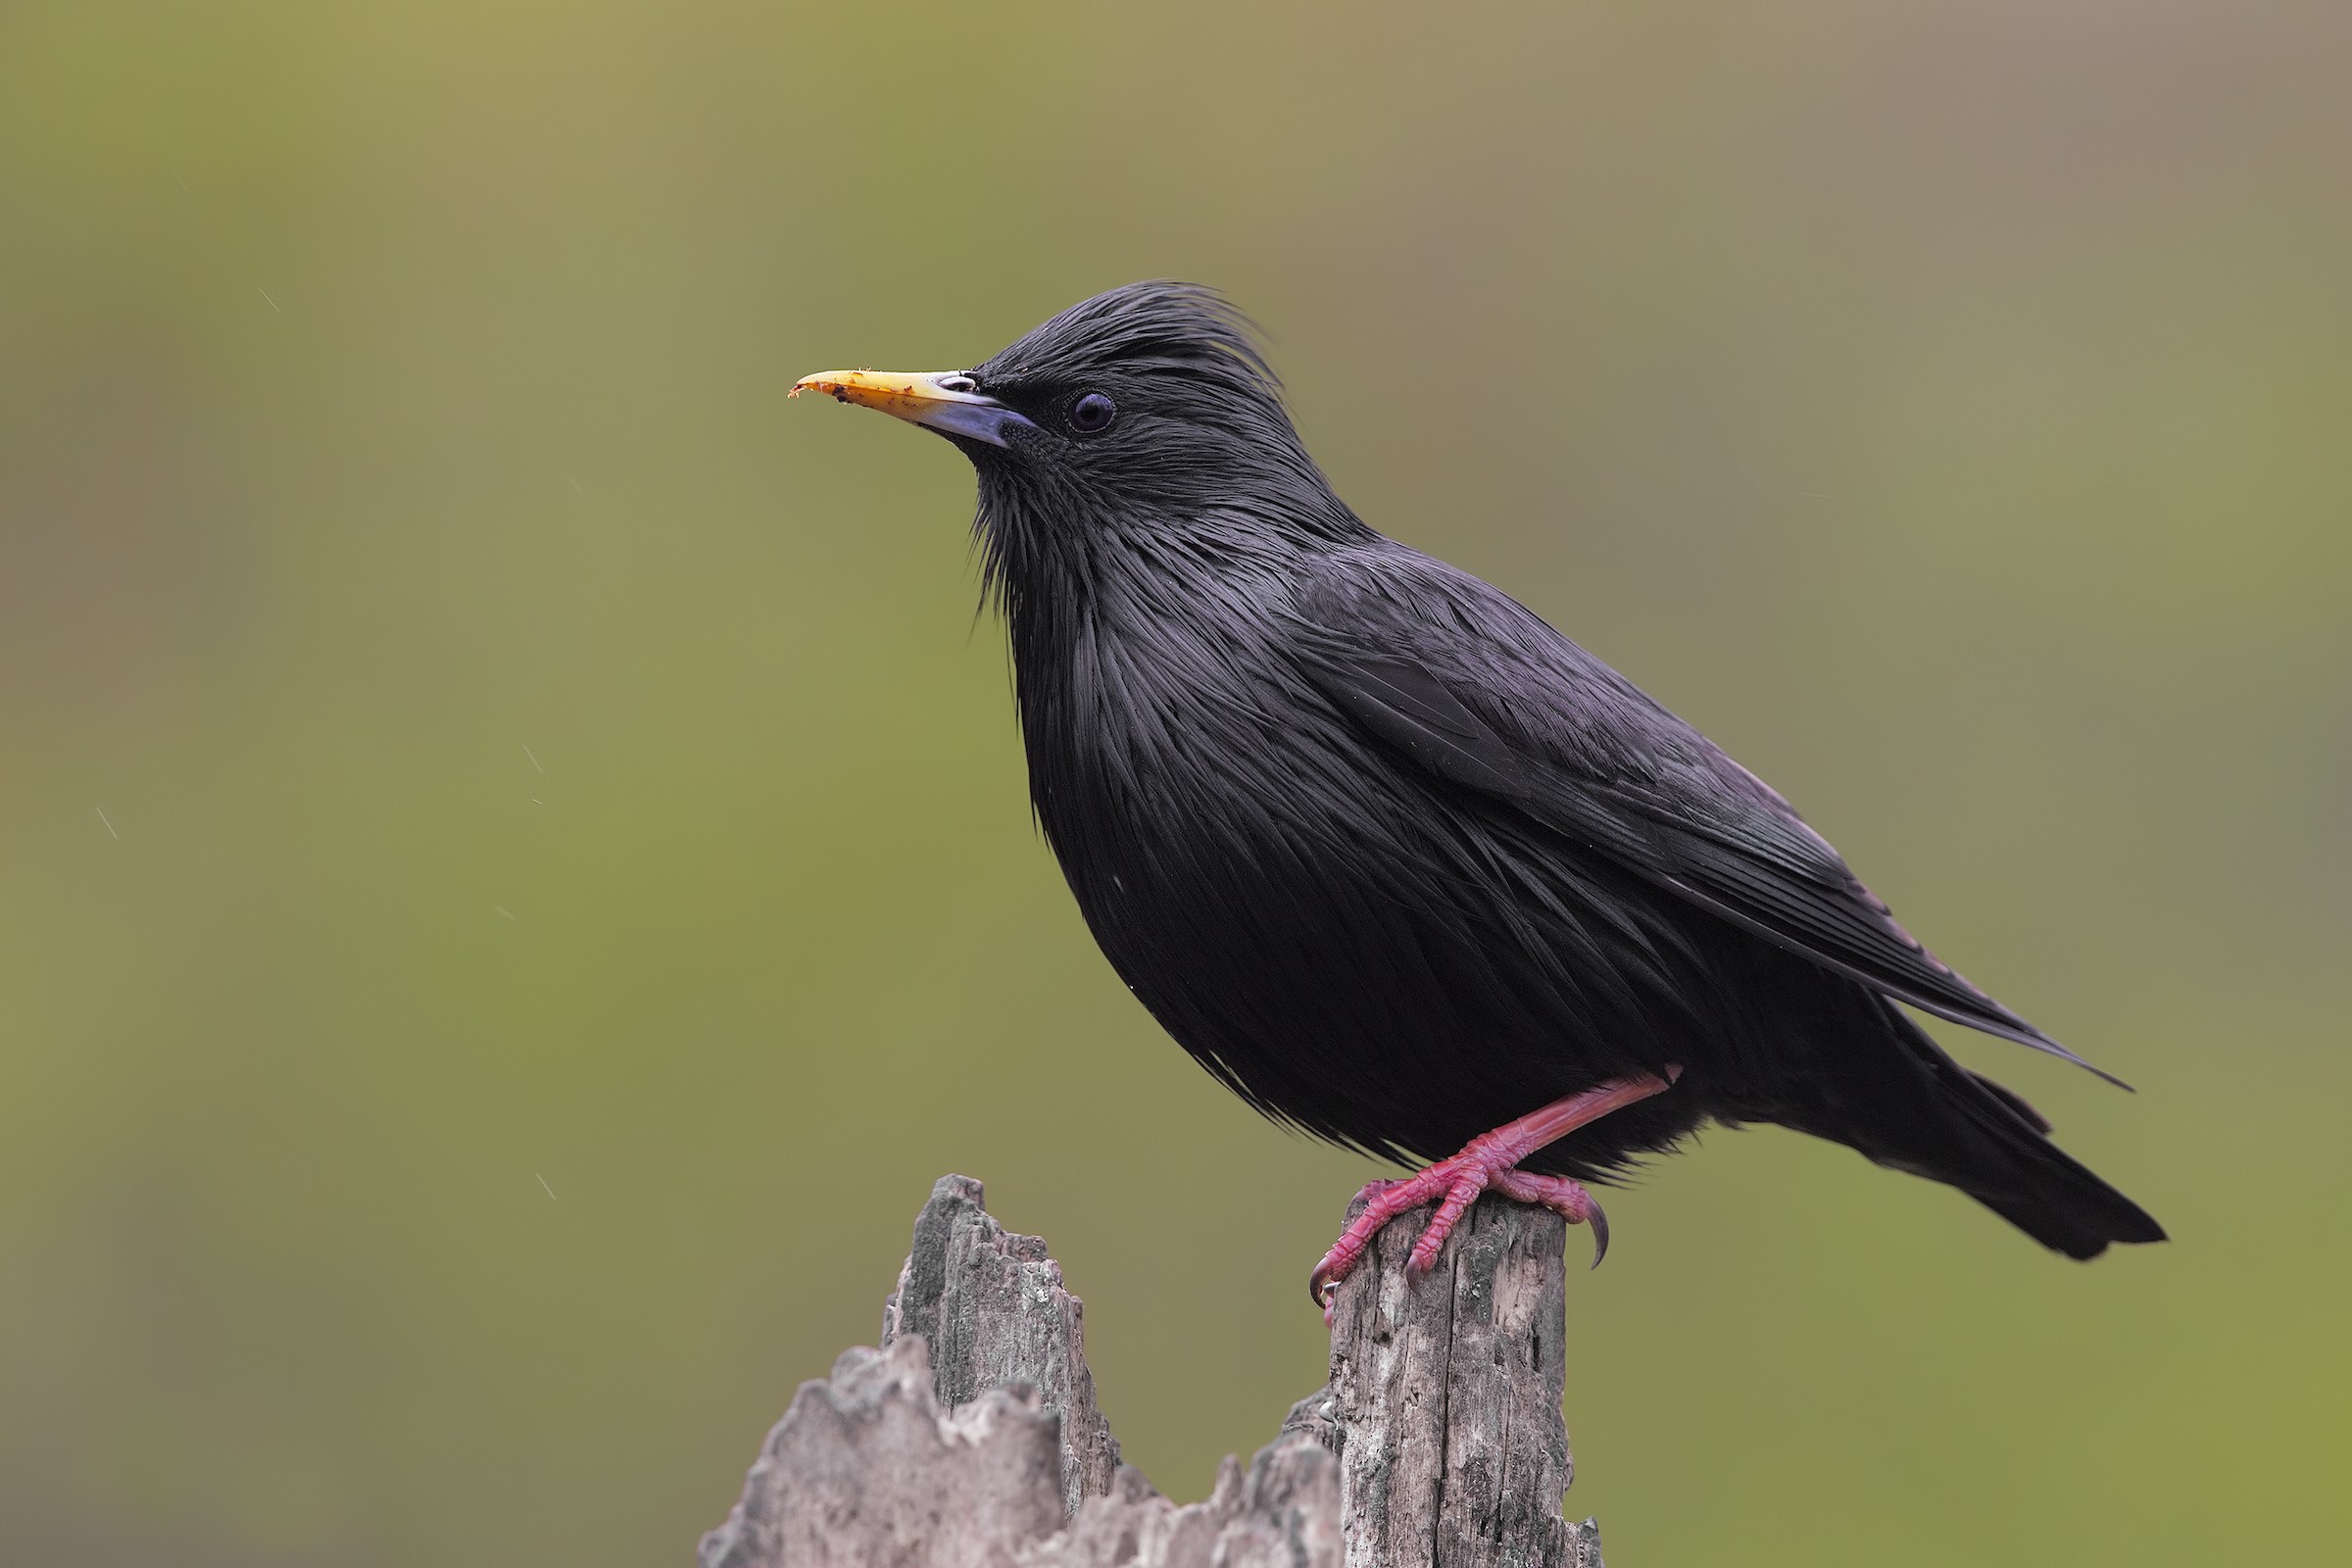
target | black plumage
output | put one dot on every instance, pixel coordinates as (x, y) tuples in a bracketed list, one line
[(1387, 854)]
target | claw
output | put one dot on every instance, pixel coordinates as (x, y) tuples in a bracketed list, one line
[(1599, 1221), (1321, 1288)]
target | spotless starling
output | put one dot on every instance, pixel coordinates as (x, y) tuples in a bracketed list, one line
[(1397, 862)]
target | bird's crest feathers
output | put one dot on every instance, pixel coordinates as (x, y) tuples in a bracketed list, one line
[(1159, 325)]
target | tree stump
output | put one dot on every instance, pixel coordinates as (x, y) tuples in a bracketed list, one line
[(992, 1309), (971, 1439)]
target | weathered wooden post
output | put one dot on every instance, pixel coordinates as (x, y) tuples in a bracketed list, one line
[(971, 1439)]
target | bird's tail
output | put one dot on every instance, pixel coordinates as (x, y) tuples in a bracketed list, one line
[(1986, 1141)]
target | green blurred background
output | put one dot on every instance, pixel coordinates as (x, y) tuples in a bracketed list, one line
[(516, 869)]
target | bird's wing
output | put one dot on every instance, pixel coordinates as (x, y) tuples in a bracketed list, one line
[(1474, 689)]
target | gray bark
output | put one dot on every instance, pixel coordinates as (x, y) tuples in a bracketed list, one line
[(1444, 1405), (864, 1469), (972, 1439), (992, 1305)]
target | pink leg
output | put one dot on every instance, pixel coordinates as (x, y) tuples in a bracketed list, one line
[(1490, 1160)]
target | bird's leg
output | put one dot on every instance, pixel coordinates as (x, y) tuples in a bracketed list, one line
[(1490, 1160)]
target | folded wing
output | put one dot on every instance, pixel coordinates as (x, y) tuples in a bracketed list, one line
[(1515, 712)]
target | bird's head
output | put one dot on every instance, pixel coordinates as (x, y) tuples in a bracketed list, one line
[(1144, 420)]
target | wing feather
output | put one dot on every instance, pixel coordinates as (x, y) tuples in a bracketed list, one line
[(1677, 812)]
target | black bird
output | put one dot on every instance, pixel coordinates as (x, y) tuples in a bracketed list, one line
[(1396, 862)]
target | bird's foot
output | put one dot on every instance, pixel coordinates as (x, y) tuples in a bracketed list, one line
[(1486, 1164), (1460, 1181)]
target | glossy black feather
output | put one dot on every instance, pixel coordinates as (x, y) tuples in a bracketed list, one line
[(1673, 809), (1395, 860)]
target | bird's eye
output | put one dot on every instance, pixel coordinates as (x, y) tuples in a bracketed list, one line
[(1092, 412)]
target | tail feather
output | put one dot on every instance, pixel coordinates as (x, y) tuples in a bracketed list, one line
[(1986, 1141), (2055, 1199), (2013, 1101)]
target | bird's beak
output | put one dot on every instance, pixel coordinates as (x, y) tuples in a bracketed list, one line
[(946, 401)]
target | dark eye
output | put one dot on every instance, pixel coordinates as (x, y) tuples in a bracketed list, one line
[(1092, 412)]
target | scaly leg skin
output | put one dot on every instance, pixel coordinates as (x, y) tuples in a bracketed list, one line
[(1488, 1161)]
